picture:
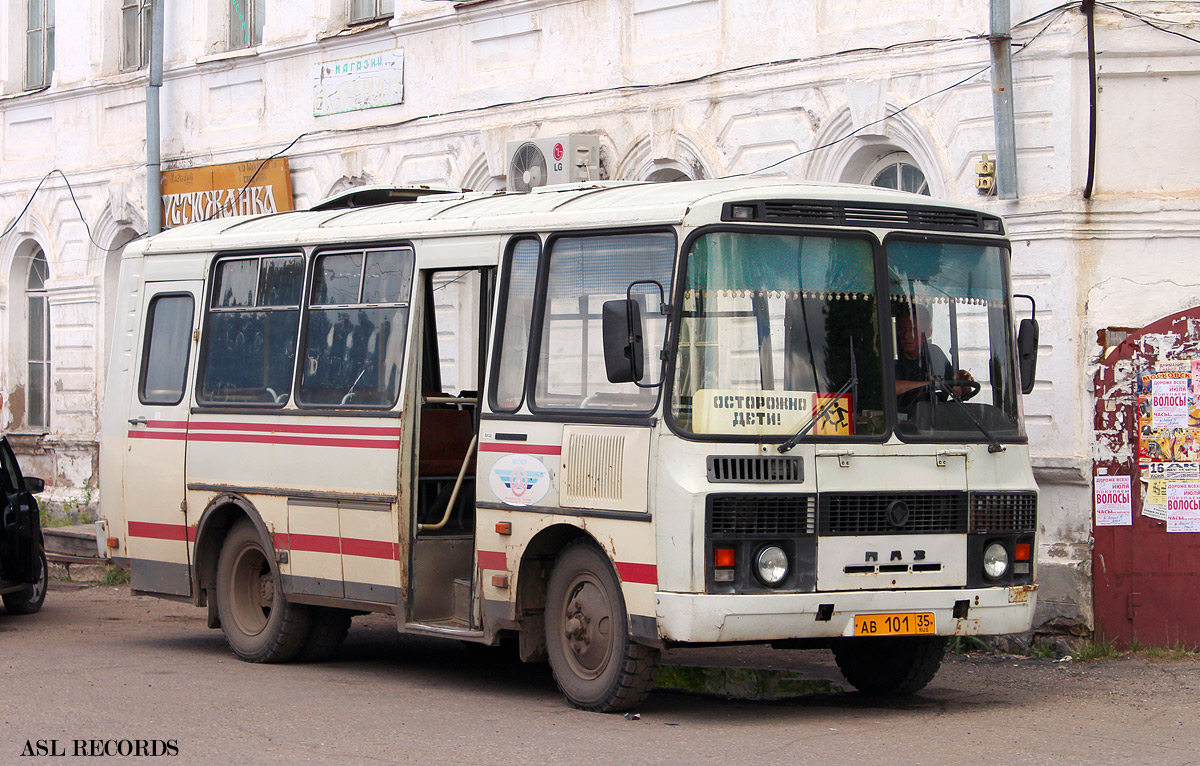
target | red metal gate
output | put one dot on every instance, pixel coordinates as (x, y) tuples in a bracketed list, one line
[(1145, 582)]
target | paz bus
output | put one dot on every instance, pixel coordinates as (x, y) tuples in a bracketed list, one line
[(603, 420)]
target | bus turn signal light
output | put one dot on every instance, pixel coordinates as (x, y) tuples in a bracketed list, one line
[(504, 527), (113, 542), (723, 558), (1021, 552)]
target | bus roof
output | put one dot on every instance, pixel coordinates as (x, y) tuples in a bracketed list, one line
[(565, 207)]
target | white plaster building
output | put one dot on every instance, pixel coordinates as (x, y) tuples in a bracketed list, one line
[(673, 89)]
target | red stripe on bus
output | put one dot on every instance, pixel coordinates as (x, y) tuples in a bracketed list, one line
[(176, 435), (521, 449), (638, 573), (493, 560), (302, 441), (155, 531), (347, 546), (166, 424), (289, 428), (374, 549), (309, 543)]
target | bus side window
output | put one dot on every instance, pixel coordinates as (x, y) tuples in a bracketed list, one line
[(168, 343), (250, 331), (584, 273), (357, 322), (515, 321)]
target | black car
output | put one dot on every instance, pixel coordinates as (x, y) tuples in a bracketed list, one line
[(23, 571)]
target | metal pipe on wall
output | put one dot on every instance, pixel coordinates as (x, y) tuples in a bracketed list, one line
[(153, 122), (1089, 12), (1000, 39)]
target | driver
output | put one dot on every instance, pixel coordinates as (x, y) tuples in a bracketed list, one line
[(917, 359)]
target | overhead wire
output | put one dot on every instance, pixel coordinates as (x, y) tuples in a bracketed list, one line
[(1062, 9), (1057, 12)]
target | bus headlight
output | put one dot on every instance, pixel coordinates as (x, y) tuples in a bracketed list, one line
[(771, 565), (995, 561)]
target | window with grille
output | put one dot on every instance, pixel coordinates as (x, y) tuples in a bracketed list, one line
[(37, 391), (362, 11), (39, 43), (135, 33), (246, 18)]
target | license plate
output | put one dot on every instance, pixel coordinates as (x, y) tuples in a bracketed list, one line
[(910, 624)]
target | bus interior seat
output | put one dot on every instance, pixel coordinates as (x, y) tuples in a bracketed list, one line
[(445, 438)]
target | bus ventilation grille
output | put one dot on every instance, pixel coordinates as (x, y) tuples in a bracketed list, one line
[(864, 214), (594, 465), (1003, 511), (853, 513), (789, 514), (755, 469)]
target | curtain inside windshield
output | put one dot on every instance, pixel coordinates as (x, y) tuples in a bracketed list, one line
[(772, 327)]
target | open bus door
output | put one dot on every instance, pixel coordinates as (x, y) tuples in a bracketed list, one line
[(157, 439), (455, 309)]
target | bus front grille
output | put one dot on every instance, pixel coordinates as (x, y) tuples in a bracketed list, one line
[(755, 469), (1003, 511), (761, 514), (892, 513)]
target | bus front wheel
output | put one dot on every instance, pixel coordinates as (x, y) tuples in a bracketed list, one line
[(259, 623), (596, 663), (894, 666)]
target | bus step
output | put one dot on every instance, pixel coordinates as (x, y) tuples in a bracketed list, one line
[(462, 600), (450, 628)]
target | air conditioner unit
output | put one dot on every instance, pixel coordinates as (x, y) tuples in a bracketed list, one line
[(555, 160)]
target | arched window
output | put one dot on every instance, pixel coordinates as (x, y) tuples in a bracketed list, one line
[(668, 175), (898, 171), (37, 389)]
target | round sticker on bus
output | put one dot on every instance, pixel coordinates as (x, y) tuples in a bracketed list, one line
[(519, 479)]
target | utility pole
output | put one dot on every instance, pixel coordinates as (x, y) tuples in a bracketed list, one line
[(153, 121), (1000, 39)]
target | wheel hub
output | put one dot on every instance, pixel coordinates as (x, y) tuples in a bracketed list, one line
[(587, 628), (266, 590)]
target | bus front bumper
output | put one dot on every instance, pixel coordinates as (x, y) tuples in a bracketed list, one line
[(692, 618)]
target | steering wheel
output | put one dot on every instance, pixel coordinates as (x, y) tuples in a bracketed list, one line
[(964, 388)]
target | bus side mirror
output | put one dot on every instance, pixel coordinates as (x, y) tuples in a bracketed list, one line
[(1027, 344), (34, 484), (624, 352)]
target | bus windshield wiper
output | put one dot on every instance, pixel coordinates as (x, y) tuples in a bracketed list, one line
[(941, 385), (851, 382)]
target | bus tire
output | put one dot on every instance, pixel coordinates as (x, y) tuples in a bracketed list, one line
[(596, 663), (259, 623), (329, 629), (30, 598), (893, 666)]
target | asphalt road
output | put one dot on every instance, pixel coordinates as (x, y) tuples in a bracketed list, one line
[(100, 664)]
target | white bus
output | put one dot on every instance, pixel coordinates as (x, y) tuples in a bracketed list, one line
[(604, 419)]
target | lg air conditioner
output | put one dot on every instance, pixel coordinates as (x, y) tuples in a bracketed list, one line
[(566, 159)]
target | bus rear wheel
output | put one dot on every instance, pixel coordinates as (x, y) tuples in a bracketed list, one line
[(259, 623), (893, 666), (596, 663), (328, 633)]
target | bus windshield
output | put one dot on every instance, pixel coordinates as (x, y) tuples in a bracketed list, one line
[(772, 327), (955, 364)]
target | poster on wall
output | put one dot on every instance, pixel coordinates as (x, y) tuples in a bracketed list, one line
[(1156, 478), (1183, 507), (1113, 504), (1169, 414), (1169, 441)]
